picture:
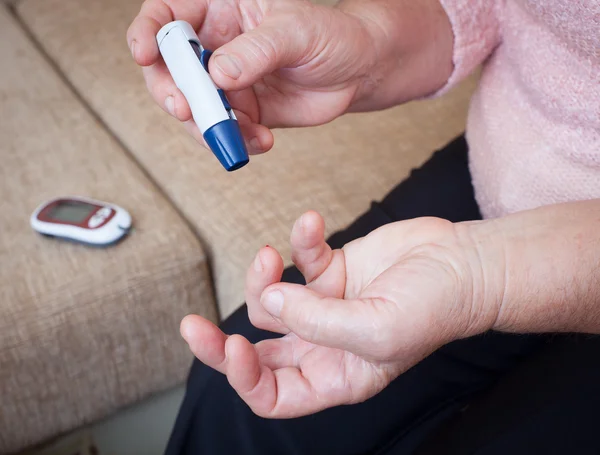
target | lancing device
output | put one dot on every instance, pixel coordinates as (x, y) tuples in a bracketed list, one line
[(187, 62)]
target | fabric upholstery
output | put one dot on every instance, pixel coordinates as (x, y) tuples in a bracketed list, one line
[(83, 331), (336, 169)]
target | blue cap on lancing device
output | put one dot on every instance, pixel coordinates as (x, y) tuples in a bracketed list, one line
[(187, 62), (226, 142)]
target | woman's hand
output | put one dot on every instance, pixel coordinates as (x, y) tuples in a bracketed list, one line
[(368, 313), (293, 63), (283, 62)]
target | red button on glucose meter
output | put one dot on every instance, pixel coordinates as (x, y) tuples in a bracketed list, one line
[(82, 220)]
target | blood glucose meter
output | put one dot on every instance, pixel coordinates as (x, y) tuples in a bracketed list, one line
[(82, 220)]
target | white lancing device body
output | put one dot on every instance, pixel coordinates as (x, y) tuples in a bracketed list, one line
[(190, 76)]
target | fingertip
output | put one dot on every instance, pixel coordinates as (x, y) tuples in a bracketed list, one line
[(253, 146), (186, 328), (272, 261), (262, 142), (265, 138), (272, 301), (243, 367), (235, 346), (181, 108), (225, 69), (205, 340), (263, 260), (266, 268), (312, 221), (258, 138), (200, 332), (141, 38), (145, 55), (308, 230)]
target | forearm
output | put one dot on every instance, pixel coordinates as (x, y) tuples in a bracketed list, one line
[(411, 51), (542, 268)]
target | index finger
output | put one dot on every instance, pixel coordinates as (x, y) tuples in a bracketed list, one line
[(141, 35)]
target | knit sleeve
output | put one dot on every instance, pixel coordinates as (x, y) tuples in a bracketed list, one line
[(476, 27)]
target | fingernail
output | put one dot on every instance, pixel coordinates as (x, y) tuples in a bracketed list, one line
[(185, 329), (227, 349), (170, 105), (257, 263), (255, 145), (299, 225), (273, 303), (228, 65), (132, 48), (303, 221)]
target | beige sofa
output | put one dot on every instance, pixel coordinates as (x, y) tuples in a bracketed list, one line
[(84, 332)]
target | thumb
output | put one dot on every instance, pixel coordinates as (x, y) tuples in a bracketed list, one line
[(361, 326), (254, 54)]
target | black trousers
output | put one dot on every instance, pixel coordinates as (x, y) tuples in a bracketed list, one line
[(491, 394)]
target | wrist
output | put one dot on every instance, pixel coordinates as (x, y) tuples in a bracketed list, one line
[(484, 292), (363, 40), (550, 262), (410, 51)]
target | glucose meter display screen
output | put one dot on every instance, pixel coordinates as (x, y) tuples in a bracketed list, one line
[(72, 212)]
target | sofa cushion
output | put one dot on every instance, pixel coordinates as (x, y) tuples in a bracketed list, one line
[(336, 169), (83, 331)]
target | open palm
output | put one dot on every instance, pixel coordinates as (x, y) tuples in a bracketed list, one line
[(368, 313)]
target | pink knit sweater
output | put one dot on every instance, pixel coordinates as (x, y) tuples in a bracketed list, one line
[(534, 122)]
